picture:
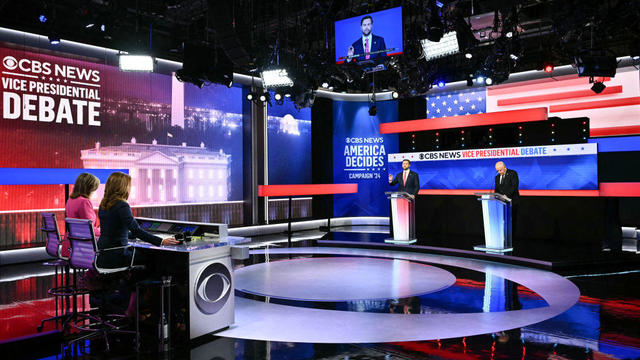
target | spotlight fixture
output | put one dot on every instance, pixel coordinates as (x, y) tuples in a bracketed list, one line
[(480, 79), (468, 55), (441, 84), (373, 110), (598, 87), (548, 68), (135, 62), (42, 18), (325, 85), (103, 27), (590, 64), (445, 46), (488, 81), (275, 78), (277, 96), (263, 97), (251, 96), (54, 40), (395, 95)]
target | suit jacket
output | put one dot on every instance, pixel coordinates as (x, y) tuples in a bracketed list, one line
[(116, 223), (377, 44), (509, 186), (82, 208), (413, 183)]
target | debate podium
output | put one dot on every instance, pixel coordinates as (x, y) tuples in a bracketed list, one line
[(496, 216), (402, 217)]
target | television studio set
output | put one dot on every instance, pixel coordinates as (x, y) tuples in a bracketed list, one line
[(313, 179)]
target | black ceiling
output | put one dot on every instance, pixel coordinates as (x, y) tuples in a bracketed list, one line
[(299, 33)]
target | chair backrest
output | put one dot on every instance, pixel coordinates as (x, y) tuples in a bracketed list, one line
[(83, 243), (53, 240)]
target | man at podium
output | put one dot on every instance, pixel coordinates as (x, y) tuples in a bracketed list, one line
[(507, 184), (408, 180)]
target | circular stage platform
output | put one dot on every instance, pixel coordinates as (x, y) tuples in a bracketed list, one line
[(261, 320), (342, 279)]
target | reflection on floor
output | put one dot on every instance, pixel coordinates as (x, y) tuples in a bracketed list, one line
[(601, 325)]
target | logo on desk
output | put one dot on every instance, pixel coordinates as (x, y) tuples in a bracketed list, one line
[(213, 288)]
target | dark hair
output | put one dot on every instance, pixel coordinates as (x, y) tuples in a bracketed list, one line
[(116, 189), (365, 18), (407, 160), (85, 184)]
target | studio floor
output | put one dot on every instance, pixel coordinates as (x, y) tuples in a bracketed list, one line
[(333, 302)]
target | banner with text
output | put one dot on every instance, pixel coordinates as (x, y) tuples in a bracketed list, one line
[(550, 167), (360, 156), (180, 143)]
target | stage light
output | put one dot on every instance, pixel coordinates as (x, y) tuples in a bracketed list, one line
[(373, 110), (103, 27), (275, 78), (488, 81), (548, 68), (480, 79), (263, 97), (441, 84), (287, 95), (251, 96), (325, 85), (135, 62), (395, 95), (54, 40), (42, 18), (448, 45), (509, 34), (514, 57), (277, 96), (594, 65), (598, 87), (468, 55), (89, 25)]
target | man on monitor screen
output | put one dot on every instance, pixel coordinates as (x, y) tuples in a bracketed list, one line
[(367, 43)]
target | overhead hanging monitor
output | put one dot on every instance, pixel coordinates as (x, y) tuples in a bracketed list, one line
[(369, 38)]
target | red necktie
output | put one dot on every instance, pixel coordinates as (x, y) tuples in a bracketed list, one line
[(366, 47), (404, 179)]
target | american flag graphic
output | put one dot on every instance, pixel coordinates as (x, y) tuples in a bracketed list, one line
[(462, 102), (615, 111)]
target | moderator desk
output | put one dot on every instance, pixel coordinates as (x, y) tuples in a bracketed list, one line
[(202, 277)]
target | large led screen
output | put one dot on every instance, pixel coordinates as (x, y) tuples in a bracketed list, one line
[(180, 143)]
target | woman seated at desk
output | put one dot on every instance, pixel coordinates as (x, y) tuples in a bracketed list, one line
[(116, 225), (79, 205), (116, 222)]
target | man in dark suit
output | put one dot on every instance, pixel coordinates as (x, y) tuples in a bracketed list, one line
[(408, 180), (507, 184), (367, 43)]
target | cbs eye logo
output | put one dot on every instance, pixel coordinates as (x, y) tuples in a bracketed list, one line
[(213, 288), (10, 63), (421, 156)]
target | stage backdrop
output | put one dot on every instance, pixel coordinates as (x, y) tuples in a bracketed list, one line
[(181, 144), (360, 156), (289, 137), (547, 167)]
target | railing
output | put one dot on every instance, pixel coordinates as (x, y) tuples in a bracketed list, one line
[(21, 229)]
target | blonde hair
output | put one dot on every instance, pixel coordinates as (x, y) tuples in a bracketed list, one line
[(85, 184), (116, 189)]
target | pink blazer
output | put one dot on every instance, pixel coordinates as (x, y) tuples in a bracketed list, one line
[(81, 208)]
